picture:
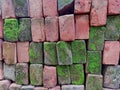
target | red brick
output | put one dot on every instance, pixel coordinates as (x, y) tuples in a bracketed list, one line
[(113, 7), (55, 88), (51, 28), (15, 86), (1, 28), (50, 7), (37, 29), (23, 51), (4, 84), (67, 27), (40, 88), (82, 6), (1, 71), (1, 49), (36, 8), (82, 27), (49, 77), (98, 13), (111, 52)]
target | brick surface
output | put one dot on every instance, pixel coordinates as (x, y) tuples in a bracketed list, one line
[(55, 88), (98, 13), (0, 9), (67, 27), (23, 51), (9, 53), (51, 28), (15, 86), (1, 28), (1, 49), (111, 52), (4, 84), (29, 87), (1, 71), (72, 87), (109, 89), (40, 88), (82, 27)]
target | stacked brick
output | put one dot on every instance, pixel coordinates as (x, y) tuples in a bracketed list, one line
[(59, 45)]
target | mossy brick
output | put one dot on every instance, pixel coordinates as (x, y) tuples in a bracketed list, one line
[(93, 65), (25, 29), (63, 73), (21, 8), (36, 74), (50, 53), (36, 53), (94, 82), (77, 74), (79, 51), (11, 30), (28, 87), (96, 38), (64, 53), (112, 31), (21, 73)]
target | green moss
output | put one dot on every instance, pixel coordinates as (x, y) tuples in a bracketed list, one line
[(20, 2)]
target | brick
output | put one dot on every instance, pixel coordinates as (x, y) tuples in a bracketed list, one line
[(36, 8), (37, 29), (1, 71), (0, 9), (21, 73), (1, 56), (28, 87), (50, 8), (25, 29), (50, 53), (94, 60), (112, 77), (4, 84), (111, 52), (15, 86), (67, 28), (112, 31), (82, 27), (40, 88), (9, 53), (98, 12), (72, 87), (113, 7), (51, 28), (36, 53), (23, 47), (63, 73), (77, 74), (11, 30), (1, 28), (49, 77), (79, 51), (9, 72), (109, 89), (7, 9), (36, 74), (21, 8), (96, 38), (94, 82), (64, 53), (55, 88), (82, 6)]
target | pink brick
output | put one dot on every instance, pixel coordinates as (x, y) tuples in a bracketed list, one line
[(111, 52), (113, 7), (15, 86), (37, 29), (50, 7), (82, 27), (40, 88), (98, 13), (36, 8), (51, 28), (4, 85), (55, 88), (1, 28), (1, 71), (23, 51), (110, 89), (82, 6), (67, 28), (49, 77), (1, 49)]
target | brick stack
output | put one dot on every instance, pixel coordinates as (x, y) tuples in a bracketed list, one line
[(59, 44)]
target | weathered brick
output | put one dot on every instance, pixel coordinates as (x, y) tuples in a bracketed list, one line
[(82, 27), (4, 84), (0, 9), (1, 56), (23, 47), (37, 29), (96, 38), (1, 28), (28, 87), (98, 13), (11, 30), (63, 73), (72, 87), (93, 65), (40, 88), (50, 53), (51, 28), (111, 52), (94, 82), (64, 53), (55, 88), (49, 77), (67, 27), (21, 73), (79, 51), (15, 86), (9, 53), (109, 89), (1, 71), (36, 53), (36, 74)]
